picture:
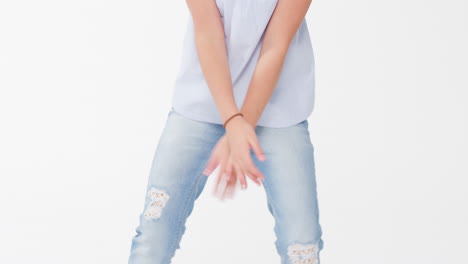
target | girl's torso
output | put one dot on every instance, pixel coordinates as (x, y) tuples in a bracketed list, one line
[(245, 22)]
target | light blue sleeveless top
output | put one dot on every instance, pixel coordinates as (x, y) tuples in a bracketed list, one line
[(245, 22)]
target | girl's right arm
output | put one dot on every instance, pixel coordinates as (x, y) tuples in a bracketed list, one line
[(212, 54)]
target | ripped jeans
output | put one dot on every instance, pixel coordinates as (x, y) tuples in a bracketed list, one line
[(176, 181)]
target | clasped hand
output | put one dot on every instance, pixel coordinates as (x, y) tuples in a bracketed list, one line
[(232, 154)]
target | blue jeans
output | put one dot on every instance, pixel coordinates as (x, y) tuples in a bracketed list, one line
[(176, 181)]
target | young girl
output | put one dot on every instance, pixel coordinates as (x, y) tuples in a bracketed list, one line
[(241, 101)]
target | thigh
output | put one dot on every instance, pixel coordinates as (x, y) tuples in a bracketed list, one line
[(174, 183), (182, 152), (291, 190)]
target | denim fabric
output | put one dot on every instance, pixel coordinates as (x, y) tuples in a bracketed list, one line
[(176, 181)]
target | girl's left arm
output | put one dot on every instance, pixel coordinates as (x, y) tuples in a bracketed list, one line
[(283, 25), (280, 31)]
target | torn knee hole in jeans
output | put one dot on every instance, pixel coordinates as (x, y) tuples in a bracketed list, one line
[(158, 199), (303, 253)]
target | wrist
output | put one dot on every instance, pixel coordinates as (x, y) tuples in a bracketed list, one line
[(252, 122), (250, 116), (232, 118), (234, 125)]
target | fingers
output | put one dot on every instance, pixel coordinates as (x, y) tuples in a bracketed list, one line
[(211, 166), (248, 168), (230, 188), (229, 169), (219, 177), (253, 172), (257, 149), (236, 164), (241, 176), (254, 179)]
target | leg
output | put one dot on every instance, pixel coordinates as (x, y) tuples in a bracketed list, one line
[(174, 183), (291, 192)]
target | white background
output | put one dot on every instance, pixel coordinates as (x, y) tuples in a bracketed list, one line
[(86, 85)]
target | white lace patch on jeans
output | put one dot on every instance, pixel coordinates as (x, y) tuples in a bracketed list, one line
[(158, 199), (303, 253)]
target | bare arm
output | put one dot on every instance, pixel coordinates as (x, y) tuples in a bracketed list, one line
[(240, 134), (212, 54), (280, 31)]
